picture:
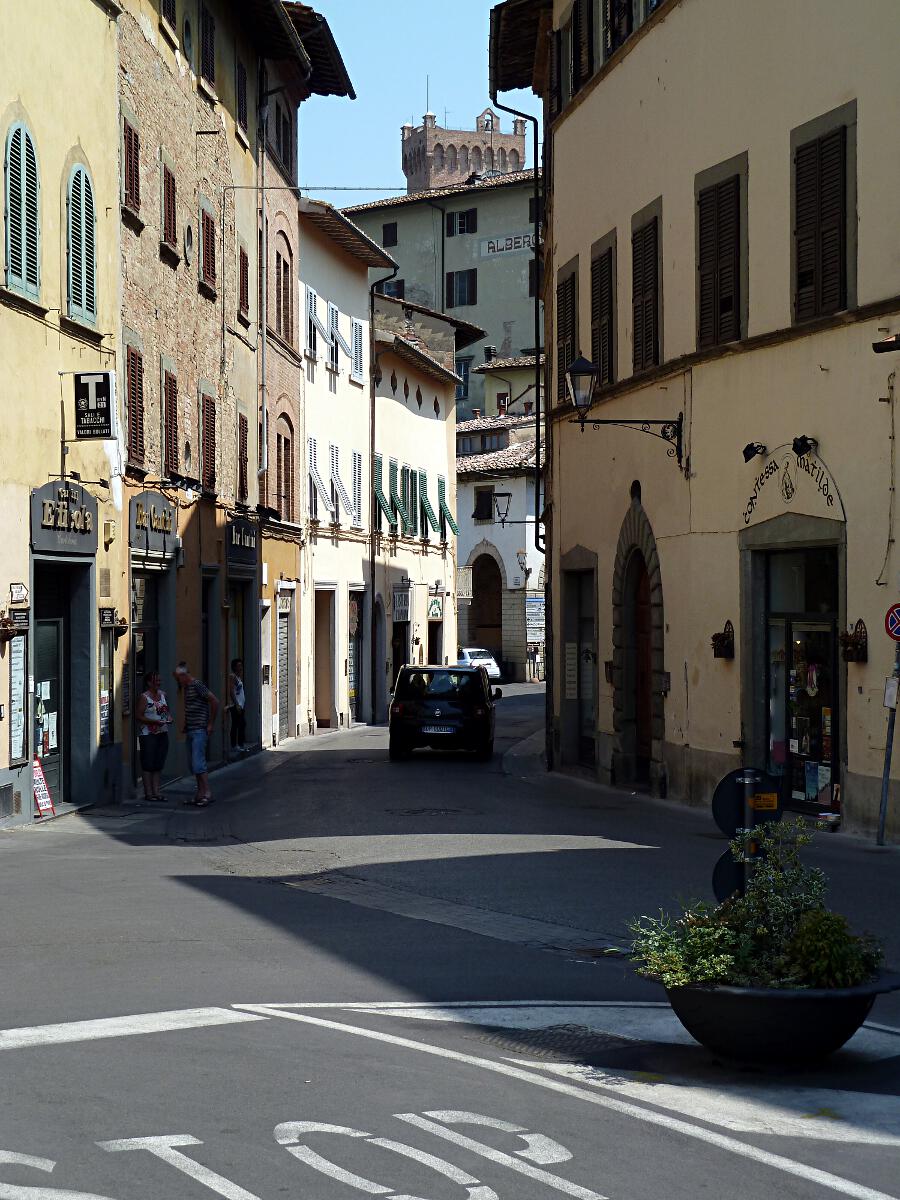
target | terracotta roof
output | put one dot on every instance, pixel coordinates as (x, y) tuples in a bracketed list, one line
[(466, 332), (517, 457), (343, 232), (508, 180), (515, 43), (415, 356), (518, 362), (329, 75), (273, 33), (485, 424)]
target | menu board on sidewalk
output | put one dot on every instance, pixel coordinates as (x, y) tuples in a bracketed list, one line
[(42, 797)]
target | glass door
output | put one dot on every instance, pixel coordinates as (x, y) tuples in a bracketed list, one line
[(49, 709), (811, 716)]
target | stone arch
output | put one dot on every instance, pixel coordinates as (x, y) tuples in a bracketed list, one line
[(486, 547), (488, 159), (438, 157), (451, 159), (637, 569), (475, 160), (464, 160), (514, 160), (486, 609), (503, 160)]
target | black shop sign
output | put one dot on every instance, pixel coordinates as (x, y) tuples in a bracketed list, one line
[(152, 524), (63, 519), (241, 542)]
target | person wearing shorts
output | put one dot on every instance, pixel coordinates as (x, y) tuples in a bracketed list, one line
[(200, 709)]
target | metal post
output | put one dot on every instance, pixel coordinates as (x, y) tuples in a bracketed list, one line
[(888, 749)]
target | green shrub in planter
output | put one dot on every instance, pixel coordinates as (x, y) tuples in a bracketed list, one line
[(779, 934)]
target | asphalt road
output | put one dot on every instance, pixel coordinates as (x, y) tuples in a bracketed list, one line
[(350, 977)]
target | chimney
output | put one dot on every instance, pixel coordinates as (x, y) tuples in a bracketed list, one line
[(529, 405), (502, 403), (476, 413), (490, 353)]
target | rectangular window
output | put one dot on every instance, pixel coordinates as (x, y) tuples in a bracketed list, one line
[(566, 329), (535, 211), (718, 263), (357, 489), (396, 288), (389, 234), (283, 136), (170, 423), (322, 491), (208, 409), (243, 283), (132, 172), (820, 226), (582, 42), (462, 288), (447, 518), (463, 367), (618, 24), (283, 322), (311, 338), (169, 14), (170, 226), (241, 89), (484, 504), (462, 222), (429, 519), (398, 507), (284, 468), (382, 506), (135, 386), (356, 330), (243, 436), (207, 248), (645, 295), (207, 45), (335, 338), (409, 493), (603, 317)]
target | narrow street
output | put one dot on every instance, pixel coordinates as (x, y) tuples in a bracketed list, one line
[(353, 977)]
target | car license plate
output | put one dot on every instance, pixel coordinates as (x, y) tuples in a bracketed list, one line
[(437, 728)]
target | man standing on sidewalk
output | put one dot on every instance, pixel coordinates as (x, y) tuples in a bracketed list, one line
[(200, 709)]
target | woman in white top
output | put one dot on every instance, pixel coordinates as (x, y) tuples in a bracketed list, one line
[(238, 706), (154, 720)]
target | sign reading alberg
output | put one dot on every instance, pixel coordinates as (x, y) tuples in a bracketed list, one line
[(151, 524), (63, 519), (241, 543), (507, 243), (788, 482)]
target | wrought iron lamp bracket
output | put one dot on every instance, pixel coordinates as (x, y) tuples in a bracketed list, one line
[(667, 431)]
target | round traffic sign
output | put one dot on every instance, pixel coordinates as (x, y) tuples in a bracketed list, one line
[(892, 622), (745, 797)]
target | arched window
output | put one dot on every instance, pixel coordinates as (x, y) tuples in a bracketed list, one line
[(514, 160), (23, 261), (502, 160), (82, 259), (489, 159), (464, 160), (284, 468), (439, 157), (488, 122), (451, 159), (476, 159), (284, 289)]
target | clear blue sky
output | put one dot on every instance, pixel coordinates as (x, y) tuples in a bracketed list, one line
[(389, 47)]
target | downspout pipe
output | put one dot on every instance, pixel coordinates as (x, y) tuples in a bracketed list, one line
[(539, 540), (373, 534)]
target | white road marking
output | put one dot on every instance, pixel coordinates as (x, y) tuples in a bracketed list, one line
[(749, 1107), (779, 1162), (11, 1192), (164, 1147), (539, 1148), (113, 1027)]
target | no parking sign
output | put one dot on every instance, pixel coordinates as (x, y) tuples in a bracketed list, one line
[(892, 622)]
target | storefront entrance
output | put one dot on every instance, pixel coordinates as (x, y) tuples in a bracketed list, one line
[(50, 705), (354, 656), (802, 656)]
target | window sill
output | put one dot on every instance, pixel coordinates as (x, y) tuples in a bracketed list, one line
[(81, 329), (169, 253), (332, 370), (30, 304), (311, 356), (360, 383), (206, 289), (244, 318), (207, 89), (135, 470), (169, 33), (242, 136), (132, 219)]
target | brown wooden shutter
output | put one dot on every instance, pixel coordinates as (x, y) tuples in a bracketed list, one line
[(132, 167), (244, 283), (582, 43), (602, 316), (170, 402), (555, 73), (451, 224), (645, 295), (565, 331), (806, 189), (471, 220), (170, 231), (707, 259), (209, 248), (168, 12), (728, 260), (209, 443), (207, 45), (243, 434), (832, 221), (242, 95), (472, 285), (449, 294), (135, 385)]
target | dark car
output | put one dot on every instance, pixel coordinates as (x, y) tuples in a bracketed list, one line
[(447, 708)]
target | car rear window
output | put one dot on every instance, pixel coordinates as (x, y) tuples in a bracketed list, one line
[(479, 654), (416, 685)]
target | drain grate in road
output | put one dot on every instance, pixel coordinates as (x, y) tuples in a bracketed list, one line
[(434, 812), (562, 1042)]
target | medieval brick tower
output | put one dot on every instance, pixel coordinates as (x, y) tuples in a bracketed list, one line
[(435, 157)]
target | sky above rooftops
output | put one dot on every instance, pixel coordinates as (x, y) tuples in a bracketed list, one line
[(389, 47)]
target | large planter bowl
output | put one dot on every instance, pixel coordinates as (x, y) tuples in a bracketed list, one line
[(776, 1026)]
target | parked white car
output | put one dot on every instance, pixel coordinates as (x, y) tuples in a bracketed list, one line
[(472, 656)]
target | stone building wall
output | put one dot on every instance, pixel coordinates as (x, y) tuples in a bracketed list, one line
[(435, 157)]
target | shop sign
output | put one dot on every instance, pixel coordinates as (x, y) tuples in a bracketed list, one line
[(802, 483), (107, 618), (435, 608), (63, 519), (151, 524), (534, 618), (18, 593), (401, 604), (42, 797), (464, 583), (283, 602), (507, 243), (241, 542), (20, 618), (95, 404)]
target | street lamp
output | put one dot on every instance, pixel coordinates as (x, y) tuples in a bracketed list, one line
[(501, 505), (802, 445), (752, 449), (581, 384)]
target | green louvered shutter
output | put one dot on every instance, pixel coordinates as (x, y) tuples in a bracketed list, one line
[(446, 514), (22, 213), (429, 516)]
